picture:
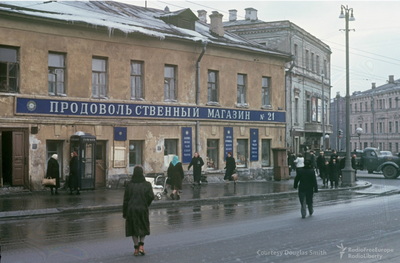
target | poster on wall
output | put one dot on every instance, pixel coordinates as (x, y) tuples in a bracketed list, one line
[(314, 109), (186, 144), (253, 144), (319, 111), (228, 140)]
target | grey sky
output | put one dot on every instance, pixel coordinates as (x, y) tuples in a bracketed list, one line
[(374, 46)]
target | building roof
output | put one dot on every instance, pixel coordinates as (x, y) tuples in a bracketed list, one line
[(128, 19), (381, 89)]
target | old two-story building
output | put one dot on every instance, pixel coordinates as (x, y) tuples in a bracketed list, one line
[(308, 84), (376, 112), (126, 85)]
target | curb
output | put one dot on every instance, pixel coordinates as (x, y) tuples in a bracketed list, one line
[(170, 203)]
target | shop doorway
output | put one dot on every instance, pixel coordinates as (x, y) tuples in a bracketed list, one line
[(13, 158), (101, 167)]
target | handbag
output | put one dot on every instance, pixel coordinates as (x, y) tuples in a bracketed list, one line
[(49, 181)]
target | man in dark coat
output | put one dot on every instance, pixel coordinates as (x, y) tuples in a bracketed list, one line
[(137, 199), (197, 162), (175, 173), (230, 168), (74, 178), (53, 171), (335, 173), (308, 186), (320, 162), (334, 156)]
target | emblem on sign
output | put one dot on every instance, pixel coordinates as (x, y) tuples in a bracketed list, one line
[(31, 105)]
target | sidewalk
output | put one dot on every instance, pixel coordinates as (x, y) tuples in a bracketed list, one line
[(25, 203)]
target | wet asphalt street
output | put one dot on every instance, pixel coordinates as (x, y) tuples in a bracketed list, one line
[(259, 231)]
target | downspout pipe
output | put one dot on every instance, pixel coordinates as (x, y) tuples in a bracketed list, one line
[(198, 94)]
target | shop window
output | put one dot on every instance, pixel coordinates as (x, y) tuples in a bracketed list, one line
[(99, 78), (242, 153), (169, 83), (135, 153), (137, 80), (9, 69), (265, 152), (56, 73), (241, 89), (265, 96), (170, 147), (212, 83), (212, 154), (55, 147)]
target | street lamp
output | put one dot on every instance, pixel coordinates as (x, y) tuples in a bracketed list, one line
[(348, 172), (326, 137), (359, 131)]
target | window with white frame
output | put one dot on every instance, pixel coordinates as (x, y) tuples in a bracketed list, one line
[(169, 83), (212, 154), (212, 84), (56, 73), (99, 78), (265, 152), (265, 93), (9, 69), (241, 89), (242, 153), (317, 63), (170, 147), (135, 153), (137, 80)]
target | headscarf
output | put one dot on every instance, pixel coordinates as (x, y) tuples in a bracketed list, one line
[(54, 156), (138, 175), (175, 160)]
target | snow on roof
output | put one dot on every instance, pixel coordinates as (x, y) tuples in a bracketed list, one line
[(128, 19)]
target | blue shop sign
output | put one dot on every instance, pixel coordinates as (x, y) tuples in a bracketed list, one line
[(253, 145), (228, 140), (186, 145), (126, 110)]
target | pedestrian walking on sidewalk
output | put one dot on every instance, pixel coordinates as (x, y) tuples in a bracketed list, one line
[(320, 162), (175, 173), (53, 171), (74, 178), (230, 169), (308, 186), (335, 173), (197, 162), (137, 199)]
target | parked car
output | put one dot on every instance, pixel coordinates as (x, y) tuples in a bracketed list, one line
[(386, 153)]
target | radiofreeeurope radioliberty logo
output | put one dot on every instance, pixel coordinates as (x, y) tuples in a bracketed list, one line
[(363, 252)]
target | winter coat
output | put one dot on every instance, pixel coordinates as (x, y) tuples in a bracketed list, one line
[(53, 170), (230, 168), (335, 171), (313, 161), (74, 178), (197, 163), (308, 181), (299, 162), (175, 173), (137, 198), (320, 162)]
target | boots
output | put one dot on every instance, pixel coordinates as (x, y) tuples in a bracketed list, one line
[(136, 250), (51, 189), (141, 249)]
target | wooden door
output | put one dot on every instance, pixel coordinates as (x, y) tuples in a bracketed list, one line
[(18, 158), (100, 180)]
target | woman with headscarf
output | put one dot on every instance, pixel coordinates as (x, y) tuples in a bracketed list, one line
[(53, 171), (137, 199), (197, 162), (175, 173), (230, 169), (74, 180)]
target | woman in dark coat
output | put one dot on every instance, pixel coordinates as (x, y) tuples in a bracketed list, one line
[(74, 179), (137, 198), (53, 171), (197, 163), (308, 186), (175, 173), (230, 168), (335, 173)]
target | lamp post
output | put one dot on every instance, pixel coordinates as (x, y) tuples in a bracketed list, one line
[(326, 137), (347, 172), (359, 131), (323, 112)]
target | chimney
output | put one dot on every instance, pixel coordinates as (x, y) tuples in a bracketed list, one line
[(232, 15), (373, 85), (202, 14), (251, 14), (391, 78), (216, 23)]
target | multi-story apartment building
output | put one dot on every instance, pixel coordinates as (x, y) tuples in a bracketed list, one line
[(305, 90), (337, 140), (127, 85), (376, 111)]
